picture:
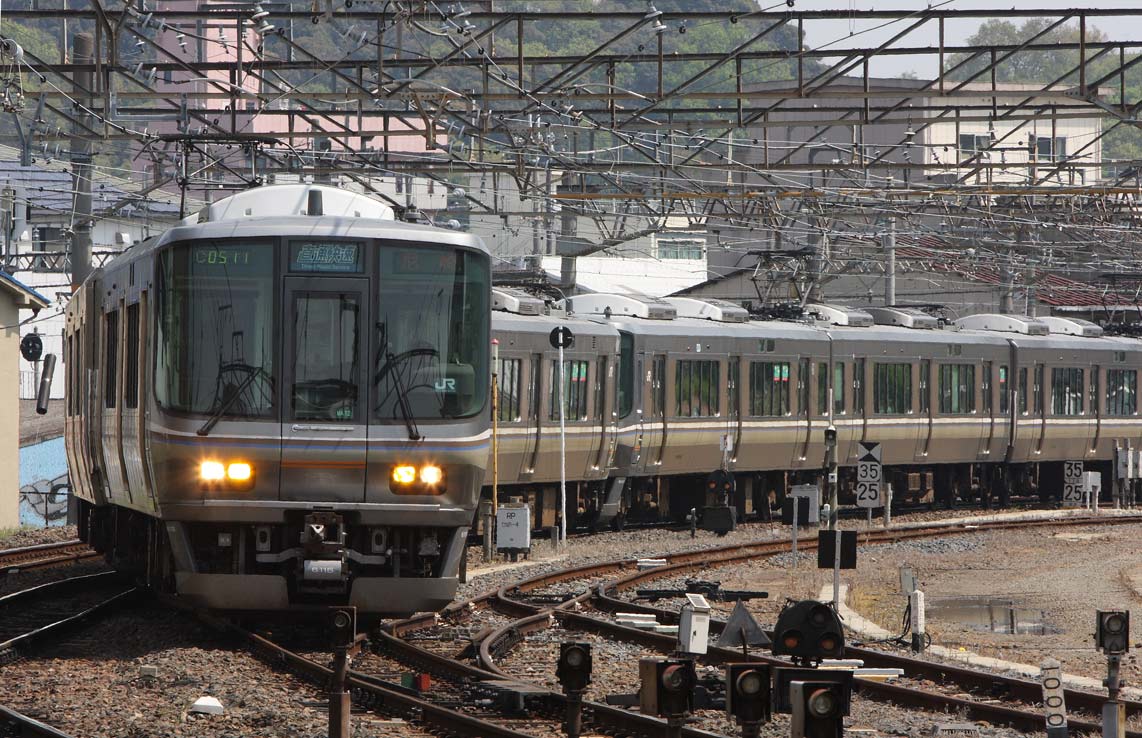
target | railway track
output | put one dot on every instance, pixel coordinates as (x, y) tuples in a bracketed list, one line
[(34, 616), (13, 560), (532, 616), (17, 725)]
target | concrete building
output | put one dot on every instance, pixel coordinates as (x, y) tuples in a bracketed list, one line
[(15, 297)]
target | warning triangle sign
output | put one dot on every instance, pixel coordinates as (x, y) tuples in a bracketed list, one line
[(741, 629)]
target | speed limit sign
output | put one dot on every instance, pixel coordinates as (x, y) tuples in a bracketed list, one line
[(868, 484), (1072, 483)]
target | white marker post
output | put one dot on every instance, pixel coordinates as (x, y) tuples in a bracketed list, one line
[(562, 447)]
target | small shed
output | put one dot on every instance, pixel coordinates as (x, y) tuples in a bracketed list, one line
[(14, 297)]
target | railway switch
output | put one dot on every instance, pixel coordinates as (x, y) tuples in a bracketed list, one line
[(748, 693), (819, 709), (809, 631), (1112, 635)]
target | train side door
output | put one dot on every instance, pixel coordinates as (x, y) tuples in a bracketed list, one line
[(325, 400), (654, 444), (603, 413), (733, 416), (1095, 407), (804, 410), (534, 395), (924, 415), (987, 394)]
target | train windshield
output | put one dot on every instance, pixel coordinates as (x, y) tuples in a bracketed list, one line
[(215, 343), (432, 334)]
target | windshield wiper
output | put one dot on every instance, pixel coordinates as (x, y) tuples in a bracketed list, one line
[(251, 374), (402, 400)]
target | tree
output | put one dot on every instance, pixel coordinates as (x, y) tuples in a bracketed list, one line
[(1024, 66)]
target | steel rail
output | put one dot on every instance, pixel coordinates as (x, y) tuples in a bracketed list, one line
[(13, 560), (18, 725), (506, 599), (26, 599)]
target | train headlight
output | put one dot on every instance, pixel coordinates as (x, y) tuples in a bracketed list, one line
[(404, 474), (431, 475), (239, 471), (211, 471)]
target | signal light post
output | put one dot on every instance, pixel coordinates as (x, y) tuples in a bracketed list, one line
[(574, 674), (343, 622), (1112, 637), (748, 696)]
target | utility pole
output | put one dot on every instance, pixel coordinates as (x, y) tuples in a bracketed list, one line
[(890, 264), (83, 52)]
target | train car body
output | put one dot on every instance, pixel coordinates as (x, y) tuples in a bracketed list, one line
[(975, 410), (282, 402)]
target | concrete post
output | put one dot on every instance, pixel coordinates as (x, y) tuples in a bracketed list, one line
[(890, 263), (83, 52)]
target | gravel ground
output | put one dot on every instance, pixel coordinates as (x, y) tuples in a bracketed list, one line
[(616, 672), (35, 536), (92, 686)]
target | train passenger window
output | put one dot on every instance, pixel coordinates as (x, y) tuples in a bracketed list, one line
[(957, 389), (858, 387), (697, 387), (111, 359), (575, 390), (131, 386), (626, 374), (926, 386), (803, 387), (839, 388), (822, 388), (1121, 391), (768, 388), (1023, 390), (1004, 388), (507, 385), (1067, 389), (891, 389), (985, 386)]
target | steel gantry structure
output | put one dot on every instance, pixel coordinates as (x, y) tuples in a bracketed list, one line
[(739, 121)]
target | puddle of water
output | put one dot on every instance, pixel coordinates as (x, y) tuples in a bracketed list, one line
[(990, 614)]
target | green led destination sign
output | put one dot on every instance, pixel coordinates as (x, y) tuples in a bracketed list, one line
[(325, 256)]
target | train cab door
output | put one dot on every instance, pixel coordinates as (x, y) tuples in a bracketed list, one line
[(604, 376), (325, 400), (804, 410)]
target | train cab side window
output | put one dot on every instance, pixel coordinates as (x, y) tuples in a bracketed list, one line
[(1067, 388), (697, 388), (957, 389), (839, 388), (768, 388), (507, 386), (1121, 391), (626, 374), (891, 389), (574, 392), (1004, 389), (131, 389), (111, 359)]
